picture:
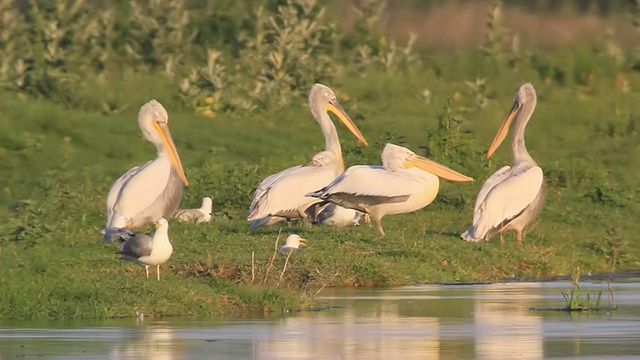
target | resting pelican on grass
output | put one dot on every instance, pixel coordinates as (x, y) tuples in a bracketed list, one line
[(512, 197), (282, 195), (148, 251), (150, 191), (404, 183), (203, 214)]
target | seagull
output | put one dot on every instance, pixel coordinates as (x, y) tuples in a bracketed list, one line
[(149, 251), (293, 243), (338, 216), (203, 214)]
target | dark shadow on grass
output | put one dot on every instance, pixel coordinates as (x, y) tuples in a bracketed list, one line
[(444, 233)]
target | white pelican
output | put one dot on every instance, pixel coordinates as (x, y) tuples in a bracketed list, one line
[(293, 243), (404, 183), (283, 194), (150, 191), (203, 214), (149, 251), (513, 196)]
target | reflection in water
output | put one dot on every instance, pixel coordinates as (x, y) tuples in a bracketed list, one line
[(152, 342), (429, 322), (504, 326), (381, 332)]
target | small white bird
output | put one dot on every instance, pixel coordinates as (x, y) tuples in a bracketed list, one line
[(338, 216), (149, 251), (203, 214), (293, 243)]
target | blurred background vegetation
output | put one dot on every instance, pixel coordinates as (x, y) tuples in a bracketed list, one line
[(270, 50)]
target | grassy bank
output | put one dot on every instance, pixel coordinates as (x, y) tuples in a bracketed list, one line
[(67, 132), (59, 164)]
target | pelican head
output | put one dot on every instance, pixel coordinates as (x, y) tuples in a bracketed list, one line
[(323, 159), (526, 95), (396, 158), (322, 98), (154, 123)]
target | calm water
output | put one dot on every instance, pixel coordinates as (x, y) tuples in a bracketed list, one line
[(426, 322)]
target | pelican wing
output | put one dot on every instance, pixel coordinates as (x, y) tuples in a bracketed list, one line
[(363, 185), (507, 199), (269, 182), (116, 190), (136, 247), (283, 194), (497, 177), (135, 191)]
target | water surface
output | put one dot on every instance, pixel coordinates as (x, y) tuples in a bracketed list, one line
[(427, 322)]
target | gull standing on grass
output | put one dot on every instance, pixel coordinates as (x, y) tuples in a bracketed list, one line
[(512, 197), (150, 191), (283, 194), (149, 251), (203, 214), (404, 183)]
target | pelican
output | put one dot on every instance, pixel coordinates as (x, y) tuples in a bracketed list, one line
[(150, 191), (293, 243), (282, 195), (404, 183), (513, 196), (203, 214), (148, 251)]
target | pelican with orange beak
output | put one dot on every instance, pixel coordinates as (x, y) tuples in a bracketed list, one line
[(150, 191), (512, 197), (282, 195), (404, 183)]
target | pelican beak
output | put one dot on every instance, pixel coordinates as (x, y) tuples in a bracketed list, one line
[(504, 129), (165, 134), (303, 242), (434, 168), (334, 107)]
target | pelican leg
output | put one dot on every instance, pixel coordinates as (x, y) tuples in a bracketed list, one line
[(158, 272), (379, 227), (147, 269), (519, 235)]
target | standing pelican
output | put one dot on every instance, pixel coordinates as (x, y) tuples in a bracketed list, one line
[(404, 183), (283, 194), (149, 251), (151, 191), (513, 196)]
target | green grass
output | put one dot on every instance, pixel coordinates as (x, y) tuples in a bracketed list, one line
[(59, 162)]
